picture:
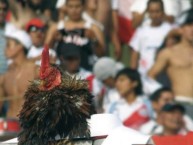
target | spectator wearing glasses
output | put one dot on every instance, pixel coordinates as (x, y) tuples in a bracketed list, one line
[(37, 30)]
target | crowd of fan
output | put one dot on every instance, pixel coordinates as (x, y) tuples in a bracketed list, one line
[(154, 95)]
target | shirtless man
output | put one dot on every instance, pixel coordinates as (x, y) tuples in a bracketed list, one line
[(178, 62), (15, 81)]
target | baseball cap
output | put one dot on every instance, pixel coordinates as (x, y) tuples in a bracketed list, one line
[(106, 67), (67, 50), (173, 106), (36, 23), (22, 37)]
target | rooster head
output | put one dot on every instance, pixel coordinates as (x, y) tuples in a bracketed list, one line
[(50, 76)]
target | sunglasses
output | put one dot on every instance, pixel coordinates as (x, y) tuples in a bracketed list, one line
[(35, 29)]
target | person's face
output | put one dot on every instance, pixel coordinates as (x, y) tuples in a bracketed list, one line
[(91, 4), (172, 120), (3, 12), (166, 97), (109, 82), (71, 64), (124, 85), (156, 13), (74, 9), (37, 37), (13, 48), (188, 32)]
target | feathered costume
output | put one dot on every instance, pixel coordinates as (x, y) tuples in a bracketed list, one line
[(55, 105)]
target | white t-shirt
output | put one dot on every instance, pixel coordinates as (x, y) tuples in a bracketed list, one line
[(35, 52), (111, 96), (146, 41), (132, 115)]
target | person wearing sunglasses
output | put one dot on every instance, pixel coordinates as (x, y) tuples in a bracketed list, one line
[(37, 30)]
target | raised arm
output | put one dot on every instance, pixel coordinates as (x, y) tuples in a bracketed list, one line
[(103, 11), (98, 34), (52, 32), (161, 63), (15, 8), (134, 59)]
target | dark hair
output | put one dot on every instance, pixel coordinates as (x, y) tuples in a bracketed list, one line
[(157, 94), (156, 1), (6, 3), (133, 75), (82, 1)]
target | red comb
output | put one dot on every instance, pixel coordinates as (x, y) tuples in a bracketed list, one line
[(45, 62)]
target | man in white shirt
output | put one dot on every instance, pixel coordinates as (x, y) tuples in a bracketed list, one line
[(148, 38), (158, 99), (173, 9)]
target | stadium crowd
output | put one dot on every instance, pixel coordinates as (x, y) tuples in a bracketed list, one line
[(150, 88)]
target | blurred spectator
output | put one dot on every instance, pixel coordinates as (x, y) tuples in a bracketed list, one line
[(173, 9), (178, 61), (15, 81), (172, 120), (105, 70), (80, 32), (23, 11), (147, 39), (37, 31), (158, 99), (70, 59), (131, 108), (3, 11)]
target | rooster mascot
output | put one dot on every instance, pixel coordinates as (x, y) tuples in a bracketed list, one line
[(56, 106)]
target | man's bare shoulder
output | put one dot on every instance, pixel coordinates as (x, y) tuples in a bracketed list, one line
[(166, 52)]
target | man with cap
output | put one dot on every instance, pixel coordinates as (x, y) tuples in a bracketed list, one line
[(37, 31), (158, 99), (178, 62), (105, 70), (70, 58), (14, 82), (172, 119)]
